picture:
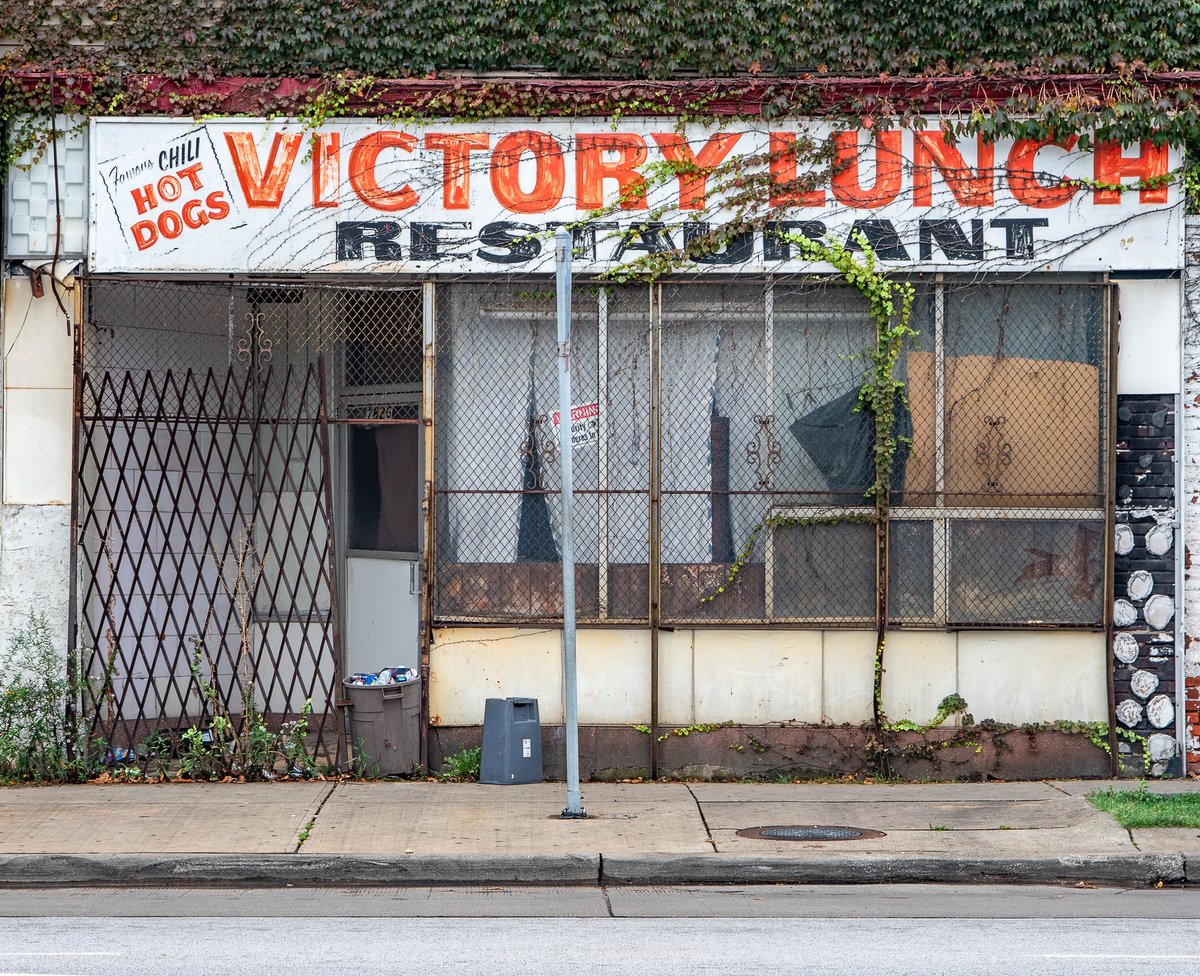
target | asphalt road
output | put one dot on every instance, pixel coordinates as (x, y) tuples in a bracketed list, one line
[(906, 930)]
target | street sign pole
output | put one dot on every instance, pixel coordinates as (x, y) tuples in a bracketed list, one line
[(562, 249)]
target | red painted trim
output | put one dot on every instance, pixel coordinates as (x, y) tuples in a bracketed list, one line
[(149, 94)]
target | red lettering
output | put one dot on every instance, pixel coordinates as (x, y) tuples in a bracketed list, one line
[(145, 234), (218, 209), (456, 164), (550, 173), (191, 174), (784, 176), (169, 224), (326, 168), (1023, 179), (169, 188), (193, 215), (1112, 167), (263, 188), (362, 171), (696, 167), (846, 185), (971, 188), (144, 198), (591, 169)]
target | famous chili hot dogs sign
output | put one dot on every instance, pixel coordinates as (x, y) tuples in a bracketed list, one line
[(246, 195)]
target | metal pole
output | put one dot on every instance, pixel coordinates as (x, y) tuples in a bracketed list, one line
[(562, 252)]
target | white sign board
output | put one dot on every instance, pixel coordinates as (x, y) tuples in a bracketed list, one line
[(585, 423), (257, 196)]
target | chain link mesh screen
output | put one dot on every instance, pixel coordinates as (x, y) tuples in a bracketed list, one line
[(997, 493)]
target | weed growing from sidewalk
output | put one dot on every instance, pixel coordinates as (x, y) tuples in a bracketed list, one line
[(42, 736), (462, 767), (1141, 808)]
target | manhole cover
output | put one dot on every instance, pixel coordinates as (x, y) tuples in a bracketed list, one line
[(810, 833)]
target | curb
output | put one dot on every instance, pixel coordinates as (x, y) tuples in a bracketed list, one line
[(1134, 869), (316, 870), (328, 870)]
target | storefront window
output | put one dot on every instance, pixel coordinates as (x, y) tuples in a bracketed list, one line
[(998, 489)]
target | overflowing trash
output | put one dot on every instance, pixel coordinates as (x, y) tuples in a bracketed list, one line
[(388, 676)]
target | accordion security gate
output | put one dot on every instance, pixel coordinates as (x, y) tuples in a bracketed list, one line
[(206, 532), (722, 467)]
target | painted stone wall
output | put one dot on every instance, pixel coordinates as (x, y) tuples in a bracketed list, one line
[(1191, 490), (1144, 608)]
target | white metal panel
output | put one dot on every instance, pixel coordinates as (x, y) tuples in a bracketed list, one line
[(31, 215), (382, 613), (1148, 354)]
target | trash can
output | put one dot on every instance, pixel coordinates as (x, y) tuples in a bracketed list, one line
[(385, 726), (512, 742)]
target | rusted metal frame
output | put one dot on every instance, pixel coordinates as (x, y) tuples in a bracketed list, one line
[(373, 422), (74, 683), (429, 341), (168, 566), (130, 424), (1112, 321), (654, 607), (295, 525), (220, 460), (331, 553)]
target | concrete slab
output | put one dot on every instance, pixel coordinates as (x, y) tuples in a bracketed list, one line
[(869, 792), (905, 815), (1097, 836), (241, 818), (432, 818), (1168, 840)]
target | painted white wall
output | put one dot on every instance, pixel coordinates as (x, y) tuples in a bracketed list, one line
[(1148, 340), (37, 397), (763, 677), (35, 460)]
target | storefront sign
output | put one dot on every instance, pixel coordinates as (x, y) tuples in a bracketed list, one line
[(256, 196)]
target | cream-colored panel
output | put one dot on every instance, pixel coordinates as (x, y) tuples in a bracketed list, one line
[(676, 682), (37, 447), (757, 677), (613, 676), (468, 665), (1032, 676), (849, 676), (920, 668), (37, 345)]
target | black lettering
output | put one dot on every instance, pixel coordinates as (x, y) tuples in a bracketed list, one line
[(518, 240), (1018, 235), (583, 236), (776, 246), (425, 240), (379, 235), (948, 235), (882, 236), (733, 250), (651, 237)]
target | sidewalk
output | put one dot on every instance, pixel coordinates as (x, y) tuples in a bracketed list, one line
[(648, 833)]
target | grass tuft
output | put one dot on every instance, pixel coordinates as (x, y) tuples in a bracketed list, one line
[(1141, 808)]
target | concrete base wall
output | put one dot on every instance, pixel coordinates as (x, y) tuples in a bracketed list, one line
[(608, 753), (760, 677), (34, 568)]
